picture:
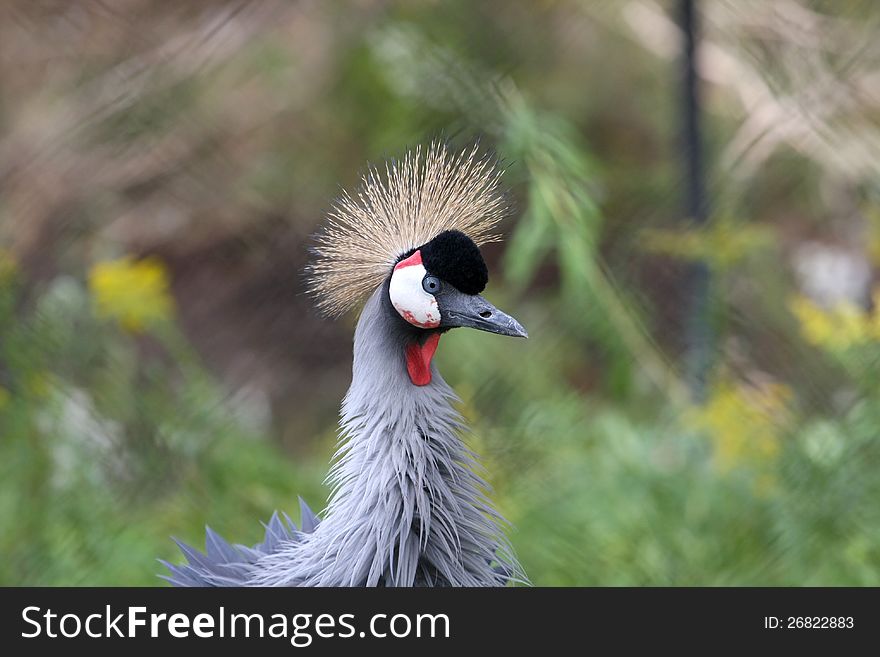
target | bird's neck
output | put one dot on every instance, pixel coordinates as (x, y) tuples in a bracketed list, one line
[(406, 501)]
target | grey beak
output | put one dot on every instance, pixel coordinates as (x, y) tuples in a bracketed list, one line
[(473, 311)]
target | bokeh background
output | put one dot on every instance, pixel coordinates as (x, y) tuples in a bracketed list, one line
[(697, 404)]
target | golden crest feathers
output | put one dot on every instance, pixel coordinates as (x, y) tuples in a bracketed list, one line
[(422, 195)]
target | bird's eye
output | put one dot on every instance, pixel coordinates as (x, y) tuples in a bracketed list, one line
[(431, 284)]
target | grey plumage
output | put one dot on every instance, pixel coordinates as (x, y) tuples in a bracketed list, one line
[(406, 509), (223, 564)]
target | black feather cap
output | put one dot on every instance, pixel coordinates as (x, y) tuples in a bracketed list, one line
[(453, 257)]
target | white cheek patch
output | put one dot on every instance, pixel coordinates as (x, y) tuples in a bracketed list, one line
[(409, 298)]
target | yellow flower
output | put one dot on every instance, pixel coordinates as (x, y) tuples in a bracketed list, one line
[(839, 328), (744, 423), (134, 293)]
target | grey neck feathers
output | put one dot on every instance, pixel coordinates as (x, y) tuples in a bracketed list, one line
[(406, 508)]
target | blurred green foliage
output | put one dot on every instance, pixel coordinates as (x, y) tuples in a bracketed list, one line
[(115, 440), (117, 432)]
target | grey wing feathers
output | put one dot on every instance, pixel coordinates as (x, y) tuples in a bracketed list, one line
[(223, 564)]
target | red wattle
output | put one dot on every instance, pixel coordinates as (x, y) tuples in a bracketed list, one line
[(418, 359)]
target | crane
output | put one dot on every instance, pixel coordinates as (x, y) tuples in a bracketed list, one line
[(406, 506)]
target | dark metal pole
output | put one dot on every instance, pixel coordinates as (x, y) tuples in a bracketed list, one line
[(699, 331)]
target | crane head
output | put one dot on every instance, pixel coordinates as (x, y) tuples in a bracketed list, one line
[(438, 285)]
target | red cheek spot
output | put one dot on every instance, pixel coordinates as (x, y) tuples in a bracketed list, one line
[(431, 323), (418, 359), (414, 259)]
